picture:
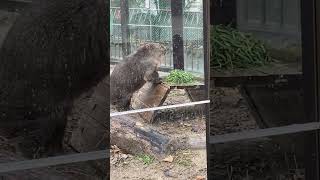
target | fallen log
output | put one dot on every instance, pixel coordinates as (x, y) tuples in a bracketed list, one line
[(132, 135)]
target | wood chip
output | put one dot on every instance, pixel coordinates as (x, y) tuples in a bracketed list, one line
[(168, 159), (200, 178)]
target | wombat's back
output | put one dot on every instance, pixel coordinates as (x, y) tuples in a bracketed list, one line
[(126, 78)]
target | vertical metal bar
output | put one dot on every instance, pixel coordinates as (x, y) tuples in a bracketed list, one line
[(108, 86), (310, 86), (150, 22), (177, 33), (282, 14), (246, 11), (316, 8), (264, 14), (124, 8), (206, 51)]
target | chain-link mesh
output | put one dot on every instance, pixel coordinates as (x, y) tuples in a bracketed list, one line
[(154, 25)]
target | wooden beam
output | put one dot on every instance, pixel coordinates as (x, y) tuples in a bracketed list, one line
[(290, 80)]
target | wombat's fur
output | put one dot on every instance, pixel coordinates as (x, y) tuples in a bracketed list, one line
[(56, 50), (135, 70)]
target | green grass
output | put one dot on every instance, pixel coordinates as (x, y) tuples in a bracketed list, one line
[(231, 49), (180, 77), (145, 158)]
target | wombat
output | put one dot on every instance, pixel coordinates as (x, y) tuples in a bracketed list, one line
[(133, 72), (55, 51)]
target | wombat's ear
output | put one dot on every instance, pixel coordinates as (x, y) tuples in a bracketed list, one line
[(148, 46), (143, 47)]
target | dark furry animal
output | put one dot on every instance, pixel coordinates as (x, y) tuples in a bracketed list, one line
[(56, 50), (135, 70)]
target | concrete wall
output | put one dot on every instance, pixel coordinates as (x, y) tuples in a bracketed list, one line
[(276, 21)]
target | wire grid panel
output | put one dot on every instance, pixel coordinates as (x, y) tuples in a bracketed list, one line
[(154, 25)]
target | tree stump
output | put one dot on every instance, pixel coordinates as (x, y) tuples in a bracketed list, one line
[(150, 95), (89, 121)]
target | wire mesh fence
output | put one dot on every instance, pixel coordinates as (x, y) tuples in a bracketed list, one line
[(154, 25)]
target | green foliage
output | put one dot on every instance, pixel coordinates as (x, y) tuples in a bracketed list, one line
[(146, 159), (231, 49), (180, 77)]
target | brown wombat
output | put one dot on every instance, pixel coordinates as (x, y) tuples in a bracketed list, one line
[(133, 72)]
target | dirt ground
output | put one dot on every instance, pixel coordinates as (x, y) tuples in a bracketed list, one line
[(257, 159), (183, 164), (229, 112), (186, 165)]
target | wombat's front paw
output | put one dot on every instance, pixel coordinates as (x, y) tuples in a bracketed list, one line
[(158, 81)]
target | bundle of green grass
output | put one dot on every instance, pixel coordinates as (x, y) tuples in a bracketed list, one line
[(231, 49), (180, 77)]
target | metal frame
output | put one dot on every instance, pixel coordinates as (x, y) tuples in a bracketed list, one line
[(309, 17), (206, 48)]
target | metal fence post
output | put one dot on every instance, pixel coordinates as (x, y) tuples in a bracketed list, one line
[(177, 33), (124, 8)]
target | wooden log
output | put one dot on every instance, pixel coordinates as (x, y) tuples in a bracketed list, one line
[(135, 137)]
